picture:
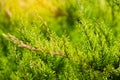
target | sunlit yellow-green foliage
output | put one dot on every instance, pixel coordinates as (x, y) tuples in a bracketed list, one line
[(59, 39)]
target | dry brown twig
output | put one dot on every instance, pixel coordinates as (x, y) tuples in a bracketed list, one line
[(8, 13), (23, 45)]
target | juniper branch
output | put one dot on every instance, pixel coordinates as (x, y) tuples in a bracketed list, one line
[(29, 47)]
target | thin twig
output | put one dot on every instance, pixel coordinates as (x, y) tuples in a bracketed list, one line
[(23, 45)]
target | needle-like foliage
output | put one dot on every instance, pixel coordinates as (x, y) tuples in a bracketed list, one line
[(59, 39)]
